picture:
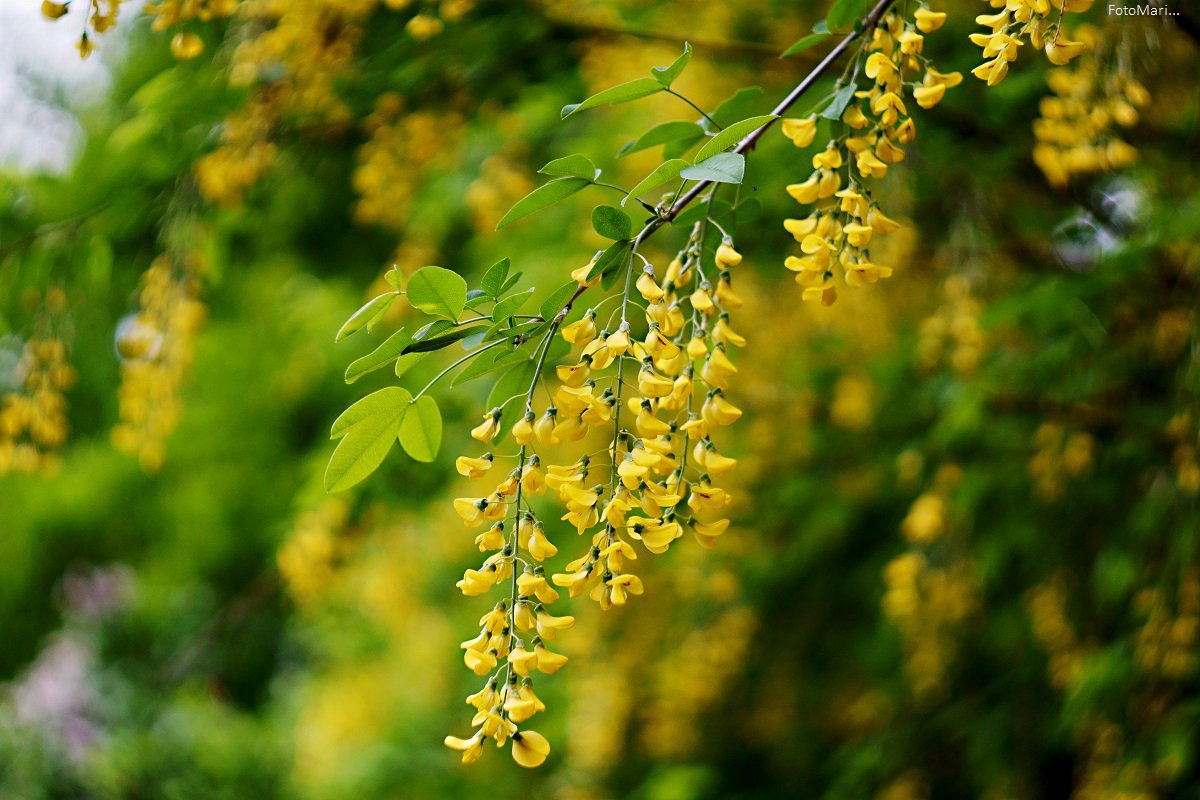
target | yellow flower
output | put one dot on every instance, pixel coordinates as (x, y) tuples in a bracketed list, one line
[(581, 331), (829, 158), (806, 192), (800, 131), (621, 586), (1061, 50), (651, 384), (581, 274), (186, 46), (52, 10), (549, 625), (474, 467), (530, 748), (481, 663), (539, 546), (533, 584), (471, 749), (726, 256), (929, 96), (548, 661), (929, 21), (486, 431), (475, 582), (649, 288), (717, 411)]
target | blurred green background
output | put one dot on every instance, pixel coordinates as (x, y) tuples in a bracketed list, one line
[(963, 561)]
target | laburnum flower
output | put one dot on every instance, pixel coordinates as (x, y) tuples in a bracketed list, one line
[(486, 431), (800, 131), (52, 10), (471, 749), (185, 46), (474, 467), (529, 748), (621, 586)]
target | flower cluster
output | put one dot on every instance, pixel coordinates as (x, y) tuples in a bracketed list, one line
[(1183, 433), (1165, 644), (1046, 604), (1077, 129), (1059, 457), (1040, 20), (33, 415), (662, 396), (101, 16), (953, 333), (156, 345), (873, 125), (308, 559), (931, 587), (394, 160)]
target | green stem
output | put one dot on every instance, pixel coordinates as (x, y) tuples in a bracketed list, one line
[(462, 360)]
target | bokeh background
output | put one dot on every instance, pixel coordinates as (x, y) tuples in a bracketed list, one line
[(964, 558)]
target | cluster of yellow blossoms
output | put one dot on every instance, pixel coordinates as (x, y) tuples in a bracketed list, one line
[(1047, 607), (1166, 643), (953, 333), (874, 125), (308, 558), (931, 587), (1059, 457), (1183, 431), (101, 17), (646, 493), (1040, 20), (1076, 131), (156, 345), (33, 415), (393, 162)]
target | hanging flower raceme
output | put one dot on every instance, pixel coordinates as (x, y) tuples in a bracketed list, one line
[(1093, 98), (655, 390), (871, 125), (156, 344), (33, 409), (1042, 21)]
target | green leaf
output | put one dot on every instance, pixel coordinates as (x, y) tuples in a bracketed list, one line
[(438, 292), (510, 283), (721, 168), (634, 90), (483, 365), (661, 134), (539, 198), (821, 27), (572, 166), (493, 279), (477, 297), (838, 104), (844, 14), (367, 430), (611, 222), (395, 277), (555, 302), (406, 362), (666, 171), (433, 329), (743, 103), (665, 75), (421, 429), (610, 259), (812, 40), (379, 357), (731, 135), (613, 273), (445, 340), (509, 305), (368, 315)]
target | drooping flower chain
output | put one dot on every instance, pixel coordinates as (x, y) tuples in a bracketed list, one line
[(873, 126), (659, 477)]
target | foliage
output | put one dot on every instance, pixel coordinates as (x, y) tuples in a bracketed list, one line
[(958, 556)]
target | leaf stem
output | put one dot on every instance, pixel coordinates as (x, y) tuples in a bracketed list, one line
[(711, 121), (461, 361)]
